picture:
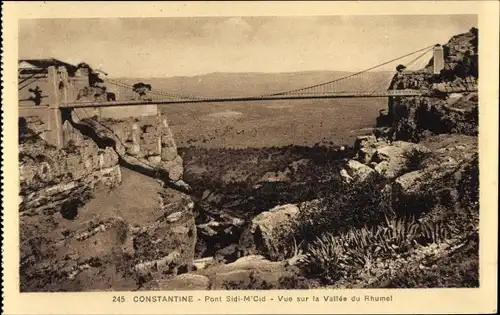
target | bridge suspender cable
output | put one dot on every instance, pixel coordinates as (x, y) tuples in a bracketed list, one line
[(406, 65), (349, 76), (312, 92), (130, 87), (186, 97)]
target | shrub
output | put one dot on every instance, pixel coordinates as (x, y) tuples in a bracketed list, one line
[(332, 256), (343, 207), (396, 235), (433, 232), (292, 279), (457, 269), (415, 160), (323, 260), (285, 249), (468, 185)]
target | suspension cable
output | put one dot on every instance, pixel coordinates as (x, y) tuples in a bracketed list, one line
[(405, 65), (349, 76)]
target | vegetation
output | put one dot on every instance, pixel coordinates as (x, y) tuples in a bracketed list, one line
[(344, 206), (141, 88), (234, 179), (415, 160)]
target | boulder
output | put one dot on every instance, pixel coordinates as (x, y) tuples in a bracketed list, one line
[(249, 272), (345, 176), (184, 282), (359, 171), (409, 183), (365, 155), (168, 154), (208, 229), (364, 141), (228, 254), (392, 160), (154, 160), (202, 263), (381, 168), (267, 227), (366, 146), (225, 225), (174, 168), (174, 217)]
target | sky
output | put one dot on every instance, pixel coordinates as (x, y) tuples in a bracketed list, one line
[(166, 47)]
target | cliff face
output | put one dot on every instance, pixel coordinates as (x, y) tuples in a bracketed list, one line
[(416, 178), (51, 178), (413, 118), (145, 144), (88, 223), (427, 158)]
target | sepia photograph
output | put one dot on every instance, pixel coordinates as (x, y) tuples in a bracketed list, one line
[(250, 157), (248, 153)]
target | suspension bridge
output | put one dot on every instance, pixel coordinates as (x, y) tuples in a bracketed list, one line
[(65, 93), (335, 88)]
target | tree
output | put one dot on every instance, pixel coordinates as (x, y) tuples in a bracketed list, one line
[(94, 78), (141, 88), (400, 68)]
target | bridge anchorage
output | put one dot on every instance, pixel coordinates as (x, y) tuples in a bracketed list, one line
[(85, 90)]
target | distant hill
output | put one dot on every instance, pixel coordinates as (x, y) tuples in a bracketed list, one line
[(253, 83)]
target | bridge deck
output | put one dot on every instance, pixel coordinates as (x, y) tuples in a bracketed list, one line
[(245, 99)]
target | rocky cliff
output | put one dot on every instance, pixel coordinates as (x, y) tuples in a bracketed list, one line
[(426, 165), (449, 109), (407, 211), (54, 179), (87, 222)]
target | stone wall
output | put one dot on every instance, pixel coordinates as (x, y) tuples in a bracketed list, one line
[(115, 112)]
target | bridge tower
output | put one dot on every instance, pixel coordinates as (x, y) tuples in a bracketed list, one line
[(438, 58), (58, 130), (54, 119)]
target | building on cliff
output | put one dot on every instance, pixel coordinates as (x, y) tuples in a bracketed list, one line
[(41, 66), (33, 85)]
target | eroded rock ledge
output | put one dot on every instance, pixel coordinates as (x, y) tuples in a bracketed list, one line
[(89, 223)]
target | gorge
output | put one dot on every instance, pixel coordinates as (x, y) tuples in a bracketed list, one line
[(123, 207)]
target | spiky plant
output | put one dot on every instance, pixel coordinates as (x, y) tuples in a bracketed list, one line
[(397, 234), (323, 259), (434, 232)]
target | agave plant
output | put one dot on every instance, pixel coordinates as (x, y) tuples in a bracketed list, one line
[(323, 259), (434, 232), (397, 234)]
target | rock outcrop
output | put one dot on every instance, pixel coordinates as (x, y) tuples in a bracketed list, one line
[(144, 143), (413, 171), (265, 234), (267, 227), (412, 118), (88, 223), (249, 272), (120, 239), (430, 137), (52, 179)]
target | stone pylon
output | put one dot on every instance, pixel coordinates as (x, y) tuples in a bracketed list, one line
[(168, 146)]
